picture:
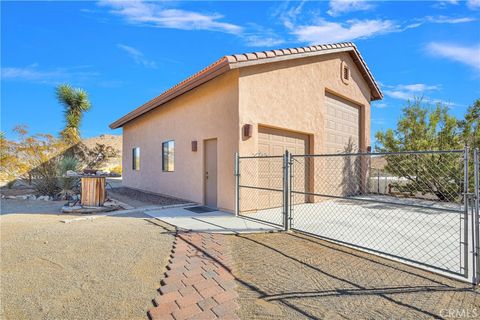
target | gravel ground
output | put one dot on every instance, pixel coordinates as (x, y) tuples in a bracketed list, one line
[(9, 206), (137, 198), (291, 276), (81, 270)]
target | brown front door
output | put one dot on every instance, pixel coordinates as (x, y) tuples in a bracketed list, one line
[(210, 173)]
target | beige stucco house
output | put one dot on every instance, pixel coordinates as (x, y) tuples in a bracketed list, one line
[(308, 100)]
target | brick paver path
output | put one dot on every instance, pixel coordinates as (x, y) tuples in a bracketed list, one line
[(198, 283)]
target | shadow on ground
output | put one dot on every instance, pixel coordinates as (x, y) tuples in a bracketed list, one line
[(288, 275)]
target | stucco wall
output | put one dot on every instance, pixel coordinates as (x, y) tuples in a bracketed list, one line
[(290, 94), (209, 111)]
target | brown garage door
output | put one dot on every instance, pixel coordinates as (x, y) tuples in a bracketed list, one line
[(274, 142), (340, 174), (342, 119)]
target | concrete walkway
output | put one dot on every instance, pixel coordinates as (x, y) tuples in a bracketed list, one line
[(212, 222)]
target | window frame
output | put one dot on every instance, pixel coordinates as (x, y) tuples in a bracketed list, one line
[(135, 159), (166, 156)]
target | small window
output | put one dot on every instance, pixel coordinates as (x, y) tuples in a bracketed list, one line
[(168, 156), (136, 158)]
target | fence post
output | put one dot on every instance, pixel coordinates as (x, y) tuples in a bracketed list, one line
[(237, 183), (476, 215), (466, 199), (286, 190)]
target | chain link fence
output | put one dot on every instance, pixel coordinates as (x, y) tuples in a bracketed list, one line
[(261, 188), (419, 208)]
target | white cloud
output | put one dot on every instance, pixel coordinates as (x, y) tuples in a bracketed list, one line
[(156, 15), (449, 20), (262, 41), (137, 56), (416, 90), (380, 105), (409, 91), (468, 55), (32, 73), (329, 32), (259, 36), (338, 7), (473, 4), (417, 87)]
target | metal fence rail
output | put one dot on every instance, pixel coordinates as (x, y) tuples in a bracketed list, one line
[(261, 184), (417, 207)]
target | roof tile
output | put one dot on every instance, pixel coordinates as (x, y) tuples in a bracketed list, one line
[(224, 64)]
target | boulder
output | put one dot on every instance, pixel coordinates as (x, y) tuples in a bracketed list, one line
[(71, 173)]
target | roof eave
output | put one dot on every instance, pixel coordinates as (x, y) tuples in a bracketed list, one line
[(237, 61), (201, 77), (357, 58)]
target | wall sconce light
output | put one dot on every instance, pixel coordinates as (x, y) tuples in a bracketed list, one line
[(247, 130), (194, 146)]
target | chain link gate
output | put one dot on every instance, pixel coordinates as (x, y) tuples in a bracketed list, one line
[(419, 208)]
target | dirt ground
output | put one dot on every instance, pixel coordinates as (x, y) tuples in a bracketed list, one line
[(136, 198), (291, 276), (106, 268)]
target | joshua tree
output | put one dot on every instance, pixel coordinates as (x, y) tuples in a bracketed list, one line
[(75, 102)]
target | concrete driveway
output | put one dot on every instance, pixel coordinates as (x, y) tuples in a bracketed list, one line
[(422, 235), (215, 221)]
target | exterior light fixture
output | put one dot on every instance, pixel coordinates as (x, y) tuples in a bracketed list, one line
[(247, 130)]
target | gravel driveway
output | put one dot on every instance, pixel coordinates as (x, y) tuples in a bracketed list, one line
[(106, 268), (291, 276)]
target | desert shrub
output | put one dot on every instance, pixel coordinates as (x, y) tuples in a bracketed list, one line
[(67, 185), (117, 170), (45, 179), (11, 183)]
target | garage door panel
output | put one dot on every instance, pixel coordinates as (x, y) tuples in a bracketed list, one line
[(341, 125), (277, 142)]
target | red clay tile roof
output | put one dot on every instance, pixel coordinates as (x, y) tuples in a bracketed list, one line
[(230, 62)]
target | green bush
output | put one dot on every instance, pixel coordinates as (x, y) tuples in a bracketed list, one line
[(67, 185)]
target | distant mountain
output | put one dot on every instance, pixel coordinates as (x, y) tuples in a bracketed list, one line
[(108, 140), (114, 141)]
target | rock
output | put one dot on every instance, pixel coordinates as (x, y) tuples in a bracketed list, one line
[(31, 197), (71, 173), (24, 197), (101, 173), (44, 198), (10, 197), (109, 204), (71, 208)]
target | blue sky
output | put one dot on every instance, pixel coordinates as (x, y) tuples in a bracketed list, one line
[(125, 53)]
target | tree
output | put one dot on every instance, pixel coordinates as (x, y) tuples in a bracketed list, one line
[(75, 102), (470, 126), (424, 128)]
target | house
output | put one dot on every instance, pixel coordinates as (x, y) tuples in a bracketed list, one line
[(312, 99)]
